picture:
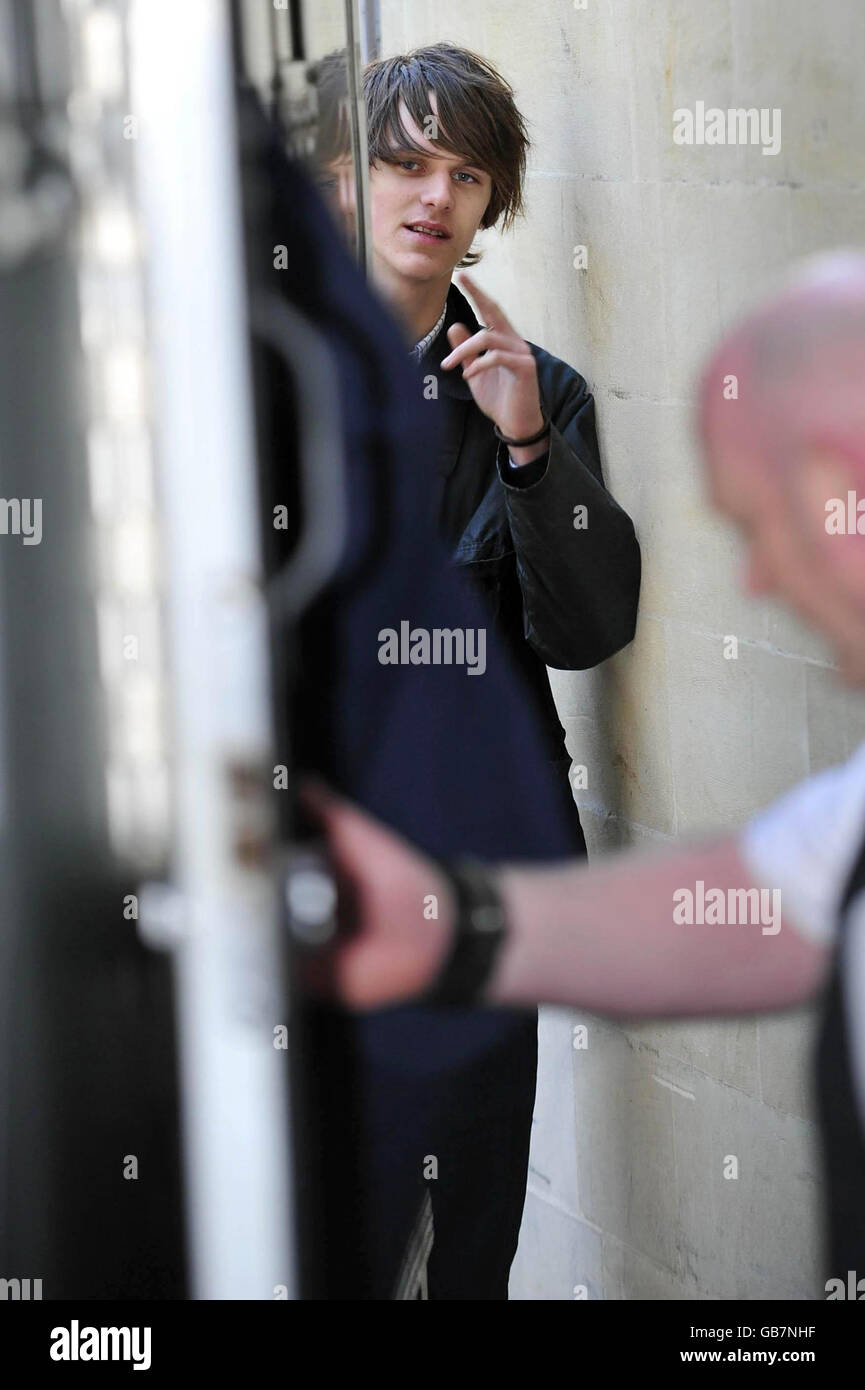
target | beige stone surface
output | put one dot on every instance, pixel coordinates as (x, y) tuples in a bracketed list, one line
[(739, 728), (785, 1047)]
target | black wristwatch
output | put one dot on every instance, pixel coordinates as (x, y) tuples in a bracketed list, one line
[(480, 929)]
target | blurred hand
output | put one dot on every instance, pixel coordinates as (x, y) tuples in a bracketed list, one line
[(396, 910)]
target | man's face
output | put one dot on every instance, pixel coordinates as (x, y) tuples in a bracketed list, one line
[(782, 517), (435, 187)]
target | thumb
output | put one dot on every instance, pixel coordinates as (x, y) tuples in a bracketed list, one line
[(339, 820), (354, 836), (317, 799), (458, 333)]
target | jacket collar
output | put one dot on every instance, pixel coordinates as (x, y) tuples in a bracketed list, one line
[(458, 311)]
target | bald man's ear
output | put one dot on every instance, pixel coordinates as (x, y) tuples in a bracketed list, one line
[(829, 499)]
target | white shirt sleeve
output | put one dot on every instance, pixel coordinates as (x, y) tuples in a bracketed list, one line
[(805, 843)]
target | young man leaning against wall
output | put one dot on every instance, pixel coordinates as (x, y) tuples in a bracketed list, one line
[(519, 488)]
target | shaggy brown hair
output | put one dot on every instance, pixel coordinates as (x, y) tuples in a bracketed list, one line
[(477, 118)]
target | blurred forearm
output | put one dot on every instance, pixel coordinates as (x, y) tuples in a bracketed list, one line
[(605, 939)]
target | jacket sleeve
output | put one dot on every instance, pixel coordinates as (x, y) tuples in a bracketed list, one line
[(578, 560)]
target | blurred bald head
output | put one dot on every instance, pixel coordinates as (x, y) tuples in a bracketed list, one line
[(782, 419), (795, 370)]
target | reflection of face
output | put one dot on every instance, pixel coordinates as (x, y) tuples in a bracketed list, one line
[(790, 553), (338, 188), (434, 187)]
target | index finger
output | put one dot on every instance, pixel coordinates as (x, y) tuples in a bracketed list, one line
[(494, 314)]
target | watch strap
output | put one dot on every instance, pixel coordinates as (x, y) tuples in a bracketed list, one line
[(480, 929)]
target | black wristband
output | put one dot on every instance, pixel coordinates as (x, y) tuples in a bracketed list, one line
[(480, 929), (533, 439)]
